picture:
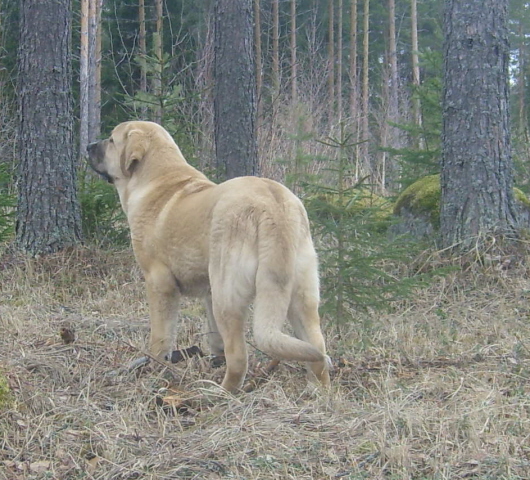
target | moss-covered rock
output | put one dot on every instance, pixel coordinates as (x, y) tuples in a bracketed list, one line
[(418, 208), (422, 198)]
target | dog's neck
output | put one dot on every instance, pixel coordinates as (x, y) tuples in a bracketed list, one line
[(180, 175)]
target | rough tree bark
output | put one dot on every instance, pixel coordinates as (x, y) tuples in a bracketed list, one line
[(235, 90), (365, 94), (294, 86), (331, 60), (259, 65), (275, 49), (157, 47), (477, 167), (416, 105), (48, 216), (90, 74)]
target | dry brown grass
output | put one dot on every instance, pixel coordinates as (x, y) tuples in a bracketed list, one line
[(438, 389)]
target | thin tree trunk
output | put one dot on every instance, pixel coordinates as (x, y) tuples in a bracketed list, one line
[(142, 45), (416, 104), (365, 87), (275, 50), (157, 78), (354, 85), (339, 59), (94, 70), (394, 77), (84, 82), (259, 66), (331, 59), (48, 217), (314, 73), (394, 134), (294, 87), (521, 80)]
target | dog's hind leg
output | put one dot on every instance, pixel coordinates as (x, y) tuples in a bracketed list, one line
[(231, 323), (231, 297), (215, 341), (304, 318)]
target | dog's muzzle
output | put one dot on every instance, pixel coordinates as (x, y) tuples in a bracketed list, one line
[(93, 154)]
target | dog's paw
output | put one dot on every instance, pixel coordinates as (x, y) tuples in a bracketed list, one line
[(183, 354), (217, 361)]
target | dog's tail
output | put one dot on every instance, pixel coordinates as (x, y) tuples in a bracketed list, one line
[(278, 239)]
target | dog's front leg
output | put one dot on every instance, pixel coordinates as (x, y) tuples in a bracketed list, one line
[(163, 297)]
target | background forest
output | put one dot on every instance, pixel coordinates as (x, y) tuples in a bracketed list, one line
[(374, 67)]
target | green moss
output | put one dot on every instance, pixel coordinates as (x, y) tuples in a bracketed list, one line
[(422, 197), (521, 197)]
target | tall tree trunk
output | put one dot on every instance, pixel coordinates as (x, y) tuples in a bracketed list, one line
[(84, 81), (339, 58), (142, 46), (294, 87), (331, 59), (48, 216), (235, 89), (259, 66), (94, 71), (275, 50), (89, 74), (314, 73), (394, 77), (365, 88), (394, 134), (477, 167), (354, 84), (157, 47), (521, 81), (416, 104)]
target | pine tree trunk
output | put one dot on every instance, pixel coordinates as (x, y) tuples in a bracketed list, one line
[(294, 87), (89, 76), (157, 47), (416, 105), (339, 59), (365, 89), (275, 50), (235, 90), (48, 217), (521, 83), (354, 85), (394, 77), (94, 70), (331, 59), (83, 81), (142, 46), (394, 134), (354, 88), (477, 167), (259, 65)]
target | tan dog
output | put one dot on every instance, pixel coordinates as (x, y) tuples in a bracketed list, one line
[(244, 240)]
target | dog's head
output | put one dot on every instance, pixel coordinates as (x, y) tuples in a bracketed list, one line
[(117, 158)]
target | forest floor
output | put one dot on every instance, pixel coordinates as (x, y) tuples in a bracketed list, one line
[(439, 388)]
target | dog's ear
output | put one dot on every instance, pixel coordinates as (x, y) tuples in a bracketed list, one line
[(134, 151)]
